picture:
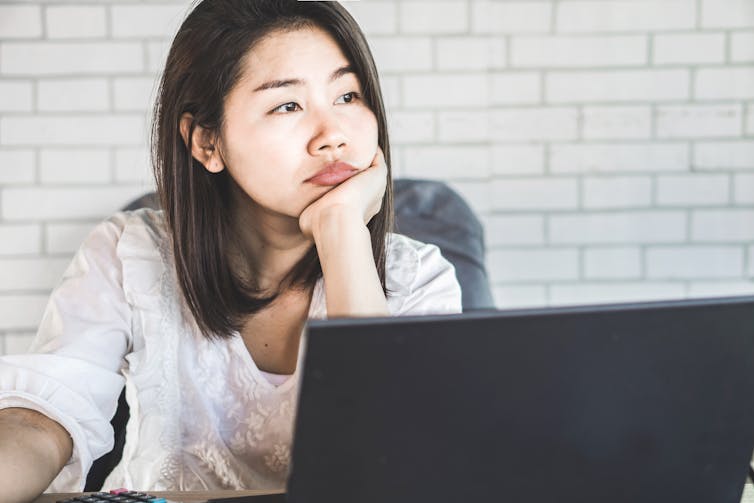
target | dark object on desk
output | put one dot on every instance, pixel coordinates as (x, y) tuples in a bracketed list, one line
[(116, 496), (265, 498), (428, 211), (625, 403)]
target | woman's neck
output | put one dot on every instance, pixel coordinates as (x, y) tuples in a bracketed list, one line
[(269, 246)]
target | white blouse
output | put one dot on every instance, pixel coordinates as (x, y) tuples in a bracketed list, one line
[(203, 416)]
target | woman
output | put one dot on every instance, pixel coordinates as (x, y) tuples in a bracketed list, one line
[(272, 163)]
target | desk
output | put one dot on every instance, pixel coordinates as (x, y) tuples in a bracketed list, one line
[(181, 497), (203, 496)]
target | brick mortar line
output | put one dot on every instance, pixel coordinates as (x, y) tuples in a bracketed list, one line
[(469, 17), (732, 189), (745, 111), (554, 8), (698, 12), (108, 22), (113, 159), (43, 21), (110, 88)]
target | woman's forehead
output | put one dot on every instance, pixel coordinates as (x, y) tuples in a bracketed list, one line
[(304, 53)]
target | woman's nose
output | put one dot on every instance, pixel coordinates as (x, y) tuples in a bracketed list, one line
[(328, 134)]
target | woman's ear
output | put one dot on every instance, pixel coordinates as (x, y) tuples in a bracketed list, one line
[(204, 147)]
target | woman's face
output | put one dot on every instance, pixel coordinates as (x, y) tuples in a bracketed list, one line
[(297, 107)]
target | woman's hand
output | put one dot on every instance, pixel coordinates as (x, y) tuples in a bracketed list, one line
[(359, 195), (337, 223)]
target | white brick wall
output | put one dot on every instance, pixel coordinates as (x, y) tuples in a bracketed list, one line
[(607, 145), (448, 16), (693, 190), (613, 263), (625, 15), (617, 86), (619, 157), (724, 83), (535, 194), (515, 88), (727, 14), (74, 166), (70, 58), (616, 192), (612, 123), (73, 95), (16, 96), (607, 292), (670, 49), (75, 21), (534, 124), (617, 50), (510, 17), (744, 189), (20, 21), (140, 21), (699, 262), (703, 121), (742, 47), (18, 166), (729, 155), (619, 227), (20, 239), (732, 225)]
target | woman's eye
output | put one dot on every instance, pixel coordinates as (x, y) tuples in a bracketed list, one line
[(286, 107), (293, 106), (349, 97)]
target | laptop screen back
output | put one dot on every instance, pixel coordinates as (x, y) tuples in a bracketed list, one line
[(646, 402)]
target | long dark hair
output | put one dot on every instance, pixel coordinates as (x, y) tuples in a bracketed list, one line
[(203, 66)]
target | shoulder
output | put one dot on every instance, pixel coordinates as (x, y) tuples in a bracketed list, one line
[(129, 246), (405, 256), (144, 224), (419, 278), (139, 232)]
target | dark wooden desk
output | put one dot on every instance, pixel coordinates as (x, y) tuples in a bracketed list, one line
[(178, 497), (203, 496)]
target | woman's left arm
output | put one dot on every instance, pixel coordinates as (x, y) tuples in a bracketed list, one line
[(337, 223)]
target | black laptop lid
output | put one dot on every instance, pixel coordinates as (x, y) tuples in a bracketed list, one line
[(645, 402)]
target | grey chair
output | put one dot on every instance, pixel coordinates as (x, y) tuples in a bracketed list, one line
[(428, 211)]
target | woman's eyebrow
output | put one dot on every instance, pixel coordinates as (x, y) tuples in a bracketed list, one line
[(274, 84)]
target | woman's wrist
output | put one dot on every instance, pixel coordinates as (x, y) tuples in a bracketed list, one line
[(352, 285), (336, 223)]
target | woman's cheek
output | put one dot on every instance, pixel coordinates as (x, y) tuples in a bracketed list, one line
[(368, 127)]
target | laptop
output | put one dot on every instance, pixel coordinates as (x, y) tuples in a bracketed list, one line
[(647, 402)]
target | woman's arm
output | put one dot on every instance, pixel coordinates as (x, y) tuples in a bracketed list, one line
[(33, 450), (352, 285), (338, 224), (72, 374)]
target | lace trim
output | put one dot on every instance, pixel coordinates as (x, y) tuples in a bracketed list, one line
[(169, 400)]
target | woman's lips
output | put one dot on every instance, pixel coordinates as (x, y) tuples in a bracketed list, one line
[(333, 174)]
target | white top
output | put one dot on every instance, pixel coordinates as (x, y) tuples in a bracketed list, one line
[(203, 416)]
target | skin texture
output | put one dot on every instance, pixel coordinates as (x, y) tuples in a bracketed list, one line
[(33, 450)]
